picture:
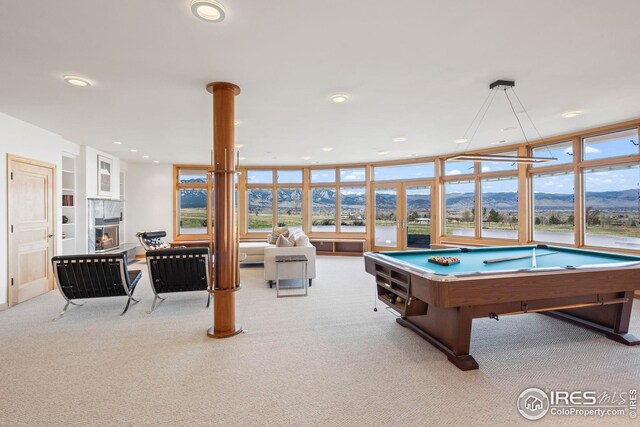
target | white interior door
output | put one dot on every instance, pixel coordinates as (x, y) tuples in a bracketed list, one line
[(30, 202)]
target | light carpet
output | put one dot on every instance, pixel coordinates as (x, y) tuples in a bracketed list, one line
[(322, 360)]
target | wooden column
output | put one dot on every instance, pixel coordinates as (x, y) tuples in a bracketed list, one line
[(225, 273)]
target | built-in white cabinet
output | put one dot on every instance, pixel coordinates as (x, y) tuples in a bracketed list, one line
[(69, 205), (123, 177)]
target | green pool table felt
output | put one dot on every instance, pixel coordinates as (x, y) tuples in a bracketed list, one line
[(472, 259)]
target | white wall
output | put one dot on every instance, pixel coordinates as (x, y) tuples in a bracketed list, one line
[(25, 140), (91, 174), (148, 199)]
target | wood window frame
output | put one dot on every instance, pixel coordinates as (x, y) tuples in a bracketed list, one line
[(177, 186), (523, 172)]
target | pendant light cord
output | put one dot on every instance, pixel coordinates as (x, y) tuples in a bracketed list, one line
[(516, 116), (531, 121), (485, 106)]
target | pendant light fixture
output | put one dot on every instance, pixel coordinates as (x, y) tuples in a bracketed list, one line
[(505, 86)]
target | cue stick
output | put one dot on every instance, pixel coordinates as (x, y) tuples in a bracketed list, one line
[(513, 258), (533, 259)]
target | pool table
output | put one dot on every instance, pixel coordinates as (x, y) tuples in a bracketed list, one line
[(593, 289)]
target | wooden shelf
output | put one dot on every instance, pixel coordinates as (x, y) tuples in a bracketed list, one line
[(337, 246), (68, 186), (400, 308), (396, 291)]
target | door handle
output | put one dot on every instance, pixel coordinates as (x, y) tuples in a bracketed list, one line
[(50, 236)]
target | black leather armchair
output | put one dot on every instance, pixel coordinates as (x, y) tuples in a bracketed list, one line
[(178, 270), (94, 276)]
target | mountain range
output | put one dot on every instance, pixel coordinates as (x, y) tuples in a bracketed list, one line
[(292, 198)]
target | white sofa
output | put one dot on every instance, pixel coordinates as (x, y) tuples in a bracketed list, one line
[(265, 252), (253, 251)]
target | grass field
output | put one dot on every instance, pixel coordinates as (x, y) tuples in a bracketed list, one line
[(192, 217), (196, 217)]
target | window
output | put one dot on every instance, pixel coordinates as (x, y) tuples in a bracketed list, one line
[(615, 144), (323, 176), (562, 151), (192, 211), (386, 218), (459, 208), (259, 177), (553, 207), (192, 176), (259, 210), (192, 202), (415, 171), (499, 166), (459, 168), (289, 177), (500, 208), (290, 208), (353, 206), (418, 216), (323, 209), (352, 175), (612, 207)]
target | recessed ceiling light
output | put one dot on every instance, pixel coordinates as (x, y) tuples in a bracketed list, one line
[(236, 122), (382, 153), (239, 145), (133, 150), (461, 141), (570, 114), (306, 158), (117, 142), (242, 158), (339, 98), (76, 81), (145, 157), (156, 161), (327, 148), (507, 129), (411, 155), (502, 141), (399, 139), (316, 162), (208, 10)]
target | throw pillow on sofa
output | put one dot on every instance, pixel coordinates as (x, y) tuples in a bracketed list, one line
[(284, 242), (302, 240), (272, 238)]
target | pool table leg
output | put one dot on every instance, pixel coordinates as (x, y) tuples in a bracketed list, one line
[(447, 329)]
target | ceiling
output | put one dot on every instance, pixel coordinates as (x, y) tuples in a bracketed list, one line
[(414, 69)]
